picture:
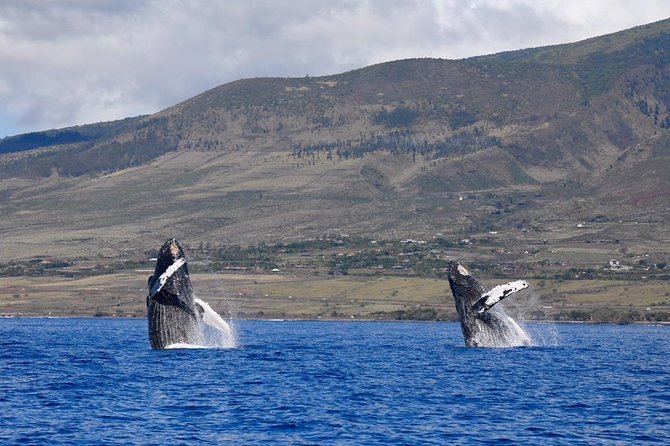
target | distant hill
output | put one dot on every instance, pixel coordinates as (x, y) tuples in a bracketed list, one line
[(537, 138)]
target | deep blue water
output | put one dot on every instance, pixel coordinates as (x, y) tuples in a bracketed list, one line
[(95, 381)]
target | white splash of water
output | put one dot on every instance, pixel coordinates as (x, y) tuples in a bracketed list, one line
[(543, 334), (214, 331), (183, 345), (508, 332), (546, 334)]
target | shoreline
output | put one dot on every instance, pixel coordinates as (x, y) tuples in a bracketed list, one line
[(290, 319)]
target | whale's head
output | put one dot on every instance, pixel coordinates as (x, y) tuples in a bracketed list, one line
[(168, 254), (466, 289), (170, 279)]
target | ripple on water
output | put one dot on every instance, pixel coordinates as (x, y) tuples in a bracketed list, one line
[(97, 381)]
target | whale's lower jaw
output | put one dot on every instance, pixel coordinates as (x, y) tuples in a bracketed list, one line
[(169, 324)]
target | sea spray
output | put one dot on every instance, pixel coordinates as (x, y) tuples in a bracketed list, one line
[(215, 332), (529, 314)]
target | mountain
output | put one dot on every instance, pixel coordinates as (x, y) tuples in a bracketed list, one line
[(524, 144)]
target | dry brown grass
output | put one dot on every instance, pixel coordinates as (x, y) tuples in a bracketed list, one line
[(291, 296)]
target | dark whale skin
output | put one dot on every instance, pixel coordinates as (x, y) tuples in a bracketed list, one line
[(172, 314), (493, 328)]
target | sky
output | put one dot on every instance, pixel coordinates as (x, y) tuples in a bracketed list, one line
[(71, 62)]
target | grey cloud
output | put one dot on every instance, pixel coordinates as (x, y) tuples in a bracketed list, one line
[(76, 61)]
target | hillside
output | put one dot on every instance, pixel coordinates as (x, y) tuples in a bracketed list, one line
[(526, 145)]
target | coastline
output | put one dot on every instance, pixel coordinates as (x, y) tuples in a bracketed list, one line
[(364, 320)]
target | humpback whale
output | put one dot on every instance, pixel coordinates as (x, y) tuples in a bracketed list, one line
[(174, 315), (482, 323)]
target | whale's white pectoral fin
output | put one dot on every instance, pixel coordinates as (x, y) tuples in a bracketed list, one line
[(212, 318), (496, 294)]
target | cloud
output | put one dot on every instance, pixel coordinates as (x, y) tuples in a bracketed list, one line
[(78, 61)]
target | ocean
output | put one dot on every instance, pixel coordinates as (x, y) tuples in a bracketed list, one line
[(96, 381)]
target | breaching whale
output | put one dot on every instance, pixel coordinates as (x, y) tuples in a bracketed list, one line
[(482, 323), (174, 315)]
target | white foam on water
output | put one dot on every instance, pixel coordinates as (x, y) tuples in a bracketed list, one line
[(183, 345)]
